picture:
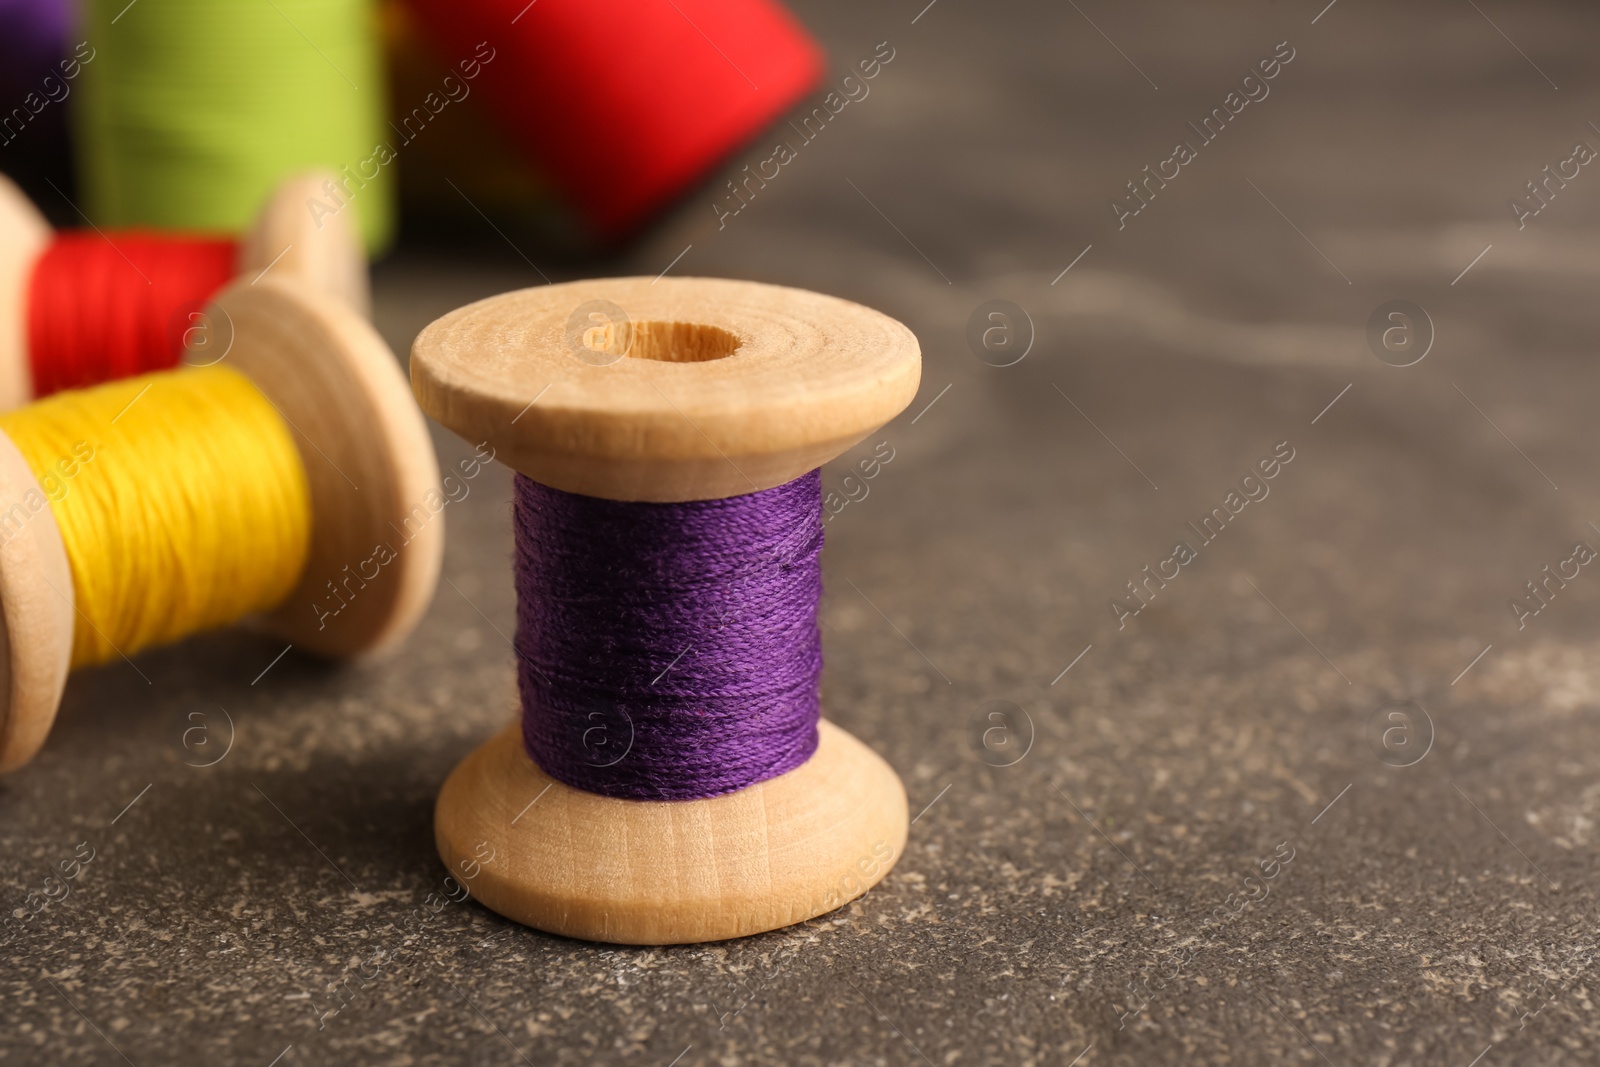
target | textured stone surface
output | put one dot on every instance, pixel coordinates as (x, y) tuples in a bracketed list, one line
[(1431, 913)]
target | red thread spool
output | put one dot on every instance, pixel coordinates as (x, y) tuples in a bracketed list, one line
[(624, 104), (111, 307), (85, 307)]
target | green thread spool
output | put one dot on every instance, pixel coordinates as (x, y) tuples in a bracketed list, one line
[(193, 110)]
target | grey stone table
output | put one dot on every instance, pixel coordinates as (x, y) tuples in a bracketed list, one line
[(1327, 798)]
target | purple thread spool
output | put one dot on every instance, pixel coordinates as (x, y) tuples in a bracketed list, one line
[(670, 780)]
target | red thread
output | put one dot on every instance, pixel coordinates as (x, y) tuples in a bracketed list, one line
[(624, 103), (102, 308)]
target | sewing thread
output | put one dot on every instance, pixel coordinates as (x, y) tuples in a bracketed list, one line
[(101, 308), (196, 109), (669, 651), (193, 513)]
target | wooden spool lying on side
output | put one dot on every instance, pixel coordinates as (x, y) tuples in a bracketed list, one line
[(369, 464), (325, 254)]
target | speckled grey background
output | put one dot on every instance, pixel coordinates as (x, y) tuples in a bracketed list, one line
[(1053, 911)]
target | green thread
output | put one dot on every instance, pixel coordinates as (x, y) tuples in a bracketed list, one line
[(194, 110)]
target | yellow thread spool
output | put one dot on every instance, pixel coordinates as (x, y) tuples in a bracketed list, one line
[(181, 499), (249, 487)]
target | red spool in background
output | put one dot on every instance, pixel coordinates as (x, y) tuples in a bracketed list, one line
[(101, 308), (624, 103)]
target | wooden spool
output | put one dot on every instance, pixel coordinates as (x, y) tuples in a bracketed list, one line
[(700, 389), (372, 474), (326, 254)]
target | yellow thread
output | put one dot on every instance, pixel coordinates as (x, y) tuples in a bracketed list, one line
[(190, 512)]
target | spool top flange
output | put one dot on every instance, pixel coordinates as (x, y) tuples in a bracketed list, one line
[(665, 390)]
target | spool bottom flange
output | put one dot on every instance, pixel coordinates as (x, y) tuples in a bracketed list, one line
[(670, 872)]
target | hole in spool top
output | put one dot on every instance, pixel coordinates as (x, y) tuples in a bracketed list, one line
[(669, 342)]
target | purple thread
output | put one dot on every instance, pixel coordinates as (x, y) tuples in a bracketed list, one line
[(669, 651)]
